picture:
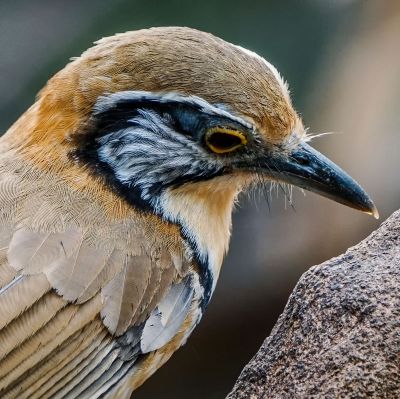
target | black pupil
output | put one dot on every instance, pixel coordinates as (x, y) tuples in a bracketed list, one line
[(224, 141)]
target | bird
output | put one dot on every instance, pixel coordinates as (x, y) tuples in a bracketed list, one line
[(116, 193)]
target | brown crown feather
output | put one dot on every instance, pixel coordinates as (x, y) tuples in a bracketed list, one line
[(180, 60)]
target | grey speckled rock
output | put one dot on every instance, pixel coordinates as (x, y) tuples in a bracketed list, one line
[(339, 335)]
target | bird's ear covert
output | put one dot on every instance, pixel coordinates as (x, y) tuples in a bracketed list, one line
[(222, 140)]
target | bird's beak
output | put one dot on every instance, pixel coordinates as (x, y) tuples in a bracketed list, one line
[(307, 168)]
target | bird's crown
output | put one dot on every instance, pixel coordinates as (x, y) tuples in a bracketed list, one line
[(188, 62)]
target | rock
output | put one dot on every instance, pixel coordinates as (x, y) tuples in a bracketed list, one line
[(339, 335)]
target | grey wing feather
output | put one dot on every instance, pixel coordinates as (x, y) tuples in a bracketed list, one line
[(166, 320)]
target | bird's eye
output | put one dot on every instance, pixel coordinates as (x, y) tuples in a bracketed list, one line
[(222, 140)]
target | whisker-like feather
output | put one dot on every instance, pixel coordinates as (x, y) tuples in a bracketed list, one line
[(312, 136)]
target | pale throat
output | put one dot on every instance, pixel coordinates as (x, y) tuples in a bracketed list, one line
[(204, 210)]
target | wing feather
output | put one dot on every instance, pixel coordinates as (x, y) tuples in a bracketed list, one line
[(19, 295), (29, 323), (63, 325), (107, 269), (123, 294), (35, 252), (75, 370), (31, 382), (71, 276), (166, 320), (77, 291)]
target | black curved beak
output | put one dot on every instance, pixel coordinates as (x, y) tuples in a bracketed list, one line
[(307, 168)]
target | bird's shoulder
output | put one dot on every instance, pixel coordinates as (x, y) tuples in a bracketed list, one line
[(48, 228)]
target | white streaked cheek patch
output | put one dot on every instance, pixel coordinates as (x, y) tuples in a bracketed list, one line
[(151, 154)]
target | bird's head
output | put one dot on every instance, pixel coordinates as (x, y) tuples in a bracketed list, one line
[(176, 121)]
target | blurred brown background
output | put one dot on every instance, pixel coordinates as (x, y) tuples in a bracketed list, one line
[(342, 61)]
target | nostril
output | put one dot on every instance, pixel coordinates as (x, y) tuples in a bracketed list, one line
[(303, 161)]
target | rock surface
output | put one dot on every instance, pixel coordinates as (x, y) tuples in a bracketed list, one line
[(339, 335)]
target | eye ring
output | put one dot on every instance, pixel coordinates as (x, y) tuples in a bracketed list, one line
[(222, 140)]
